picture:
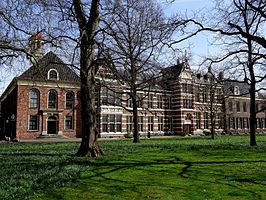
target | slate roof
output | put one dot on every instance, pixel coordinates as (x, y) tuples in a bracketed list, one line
[(47, 62), (229, 86), (170, 75)]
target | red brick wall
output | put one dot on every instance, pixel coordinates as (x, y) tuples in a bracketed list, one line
[(23, 111)]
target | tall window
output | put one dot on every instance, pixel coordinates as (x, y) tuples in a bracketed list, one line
[(198, 119), (160, 123), (139, 100), (159, 101), (33, 123), (184, 87), (230, 105), (128, 101), (52, 99), (238, 106), (244, 107), (112, 123), (220, 120), (150, 101), (53, 74), (206, 120), (169, 125), (129, 123), (118, 123), (68, 122), (236, 90), (104, 123), (169, 103), (104, 96), (150, 123), (34, 99), (69, 100), (140, 123)]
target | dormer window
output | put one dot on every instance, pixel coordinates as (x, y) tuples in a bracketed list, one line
[(53, 75), (236, 90)]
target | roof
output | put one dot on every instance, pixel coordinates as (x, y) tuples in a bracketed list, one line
[(170, 75), (47, 62), (229, 86)]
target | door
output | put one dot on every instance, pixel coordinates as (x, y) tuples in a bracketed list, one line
[(52, 125)]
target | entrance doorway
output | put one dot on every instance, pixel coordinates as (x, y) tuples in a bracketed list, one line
[(52, 125), (187, 129)]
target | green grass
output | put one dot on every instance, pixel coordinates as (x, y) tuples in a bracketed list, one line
[(173, 168)]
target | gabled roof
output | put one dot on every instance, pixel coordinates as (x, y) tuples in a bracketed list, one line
[(47, 62)]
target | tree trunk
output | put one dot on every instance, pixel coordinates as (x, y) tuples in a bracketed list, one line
[(87, 28), (136, 138), (252, 115)]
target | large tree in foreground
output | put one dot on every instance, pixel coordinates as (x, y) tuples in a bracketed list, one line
[(87, 29)]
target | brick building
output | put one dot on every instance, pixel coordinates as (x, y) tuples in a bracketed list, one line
[(42, 100), (237, 103)]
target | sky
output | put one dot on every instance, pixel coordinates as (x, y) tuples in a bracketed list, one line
[(199, 44)]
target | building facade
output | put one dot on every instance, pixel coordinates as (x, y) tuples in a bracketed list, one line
[(237, 104), (42, 101)]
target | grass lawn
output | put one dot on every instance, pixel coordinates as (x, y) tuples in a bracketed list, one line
[(172, 168)]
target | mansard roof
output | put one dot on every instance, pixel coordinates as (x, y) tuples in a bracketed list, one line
[(48, 62)]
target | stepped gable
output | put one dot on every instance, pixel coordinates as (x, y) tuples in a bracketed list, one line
[(44, 64)]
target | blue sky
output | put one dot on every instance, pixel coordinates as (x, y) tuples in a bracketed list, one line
[(199, 45)]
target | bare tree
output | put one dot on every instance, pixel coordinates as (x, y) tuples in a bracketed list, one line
[(238, 29), (133, 41)]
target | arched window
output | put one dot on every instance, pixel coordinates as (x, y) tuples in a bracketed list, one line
[(34, 98), (53, 74), (69, 100), (52, 99)]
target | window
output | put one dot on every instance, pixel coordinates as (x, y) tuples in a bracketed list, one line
[(220, 120), (257, 107), (206, 120), (244, 107), (104, 123), (198, 119), (111, 97), (34, 99), (140, 123), (68, 123), (52, 99), (238, 106), (205, 95), (184, 87), (150, 101), (189, 88), (112, 123), (169, 125), (69, 100), (53, 74), (160, 123), (129, 123), (128, 101), (230, 106), (197, 94), (159, 101), (187, 103), (150, 123), (139, 100), (104, 96), (33, 123), (169, 104), (118, 99), (118, 123)]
